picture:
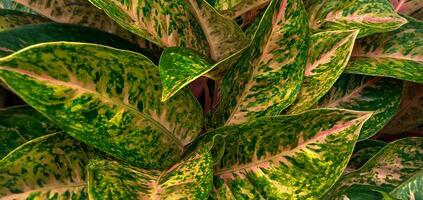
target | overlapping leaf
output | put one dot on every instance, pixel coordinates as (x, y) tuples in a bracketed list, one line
[(328, 55), (394, 168), (281, 157), (364, 151), (107, 98), (189, 179), (235, 8), (397, 54), (12, 5), (365, 93), (412, 8), (49, 167), (268, 76), (371, 16), (11, 19)]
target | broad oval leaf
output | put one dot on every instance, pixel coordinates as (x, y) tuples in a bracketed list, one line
[(49, 167), (363, 151), (12, 18), (235, 8), (394, 165), (106, 97), (365, 93), (267, 77), (190, 178), (328, 55), (20, 124), (397, 54), (412, 8), (370, 16), (282, 157)]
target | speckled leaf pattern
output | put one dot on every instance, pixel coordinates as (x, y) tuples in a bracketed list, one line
[(21, 124), (410, 112), (106, 97), (328, 55), (12, 18), (365, 192), (235, 8), (49, 167), (189, 179), (21, 37), (394, 165), (163, 22), (412, 8), (224, 36), (281, 157), (370, 16), (12, 5), (364, 151), (268, 76), (411, 189), (365, 93), (397, 54)]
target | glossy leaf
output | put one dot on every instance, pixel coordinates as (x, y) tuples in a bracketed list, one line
[(281, 157), (235, 8), (393, 166), (49, 167), (12, 5), (267, 77), (365, 93), (411, 189), (189, 179), (371, 16), (328, 55), (106, 97), (412, 8), (21, 124), (364, 151), (12, 18), (397, 54)]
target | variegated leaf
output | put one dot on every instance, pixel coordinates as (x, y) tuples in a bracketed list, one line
[(365, 93), (49, 167), (21, 37), (365, 192), (106, 97), (410, 112), (412, 8), (328, 55), (267, 77), (12, 18), (21, 124), (165, 23), (281, 157), (12, 5), (369, 16), (410, 189), (397, 54), (189, 179), (393, 166), (235, 8), (364, 151)]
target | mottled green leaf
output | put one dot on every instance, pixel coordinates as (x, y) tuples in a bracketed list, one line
[(412, 8), (394, 165), (328, 55), (267, 77), (365, 192), (410, 112), (365, 93), (12, 5), (235, 8), (370, 16), (281, 157), (21, 124), (397, 54), (189, 179), (106, 97), (364, 151), (49, 167), (21, 37), (410, 189), (12, 18), (165, 23)]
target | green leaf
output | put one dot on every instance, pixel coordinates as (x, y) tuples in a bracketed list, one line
[(328, 55), (106, 97), (49, 167), (165, 23), (267, 77), (412, 8), (364, 151), (235, 8), (394, 165), (365, 93), (366, 192), (189, 179), (281, 157), (370, 16), (19, 125), (397, 54), (12, 18), (21, 37), (12, 5), (410, 112), (410, 189)]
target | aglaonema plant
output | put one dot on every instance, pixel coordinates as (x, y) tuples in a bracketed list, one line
[(216, 99)]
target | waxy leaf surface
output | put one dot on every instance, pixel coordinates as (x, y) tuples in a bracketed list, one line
[(328, 55), (365, 93), (189, 179), (106, 97), (267, 77), (364, 151), (12, 18)]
